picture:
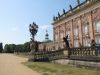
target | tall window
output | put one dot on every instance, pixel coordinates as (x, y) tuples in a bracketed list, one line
[(98, 26), (68, 33), (76, 31), (61, 35), (98, 39), (56, 37), (86, 29), (86, 39), (76, 43), (86, 42), (98, 31)]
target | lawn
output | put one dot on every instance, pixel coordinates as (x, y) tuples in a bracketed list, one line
[(46, 68)]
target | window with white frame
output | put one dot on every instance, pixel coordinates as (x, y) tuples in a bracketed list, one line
[(98, 26), (98, 39), (86, 42), (76, 43), (86, 29), (56, 37), (61, 35), (75, 33)]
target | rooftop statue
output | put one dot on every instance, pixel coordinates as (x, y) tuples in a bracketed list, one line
[(64, 12), (78, 1)]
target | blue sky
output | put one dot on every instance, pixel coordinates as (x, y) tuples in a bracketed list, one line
[(16, 15)]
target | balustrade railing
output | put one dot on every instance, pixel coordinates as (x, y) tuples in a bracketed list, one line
[(48, 55), (87, 53)]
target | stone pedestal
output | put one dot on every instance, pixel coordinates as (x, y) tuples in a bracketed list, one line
[(34, 48)]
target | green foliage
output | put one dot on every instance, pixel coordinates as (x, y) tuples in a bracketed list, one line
[(11, 48), (19, 48), (1, 47), (45, 73), (5, 48), (26, 47)]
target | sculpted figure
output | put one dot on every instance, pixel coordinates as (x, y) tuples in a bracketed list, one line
[(33, 28), (66, 41)]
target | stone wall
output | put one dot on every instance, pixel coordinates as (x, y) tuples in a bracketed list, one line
[(83, 64)]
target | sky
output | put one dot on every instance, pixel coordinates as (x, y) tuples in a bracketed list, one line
[(16, 15)]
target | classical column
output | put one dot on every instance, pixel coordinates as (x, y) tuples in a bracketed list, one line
[(72, 34), (81, 30), (92, 23)]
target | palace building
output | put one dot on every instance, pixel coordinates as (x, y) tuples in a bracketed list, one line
[(47, 44), (81, 24)]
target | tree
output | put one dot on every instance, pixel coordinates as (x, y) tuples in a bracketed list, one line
[(27, 47), (1, 47), (6, 49), (11, 48)]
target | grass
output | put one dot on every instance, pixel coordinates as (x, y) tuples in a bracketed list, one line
[(46, 68)]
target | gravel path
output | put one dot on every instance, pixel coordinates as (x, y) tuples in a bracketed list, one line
[(11, 65)]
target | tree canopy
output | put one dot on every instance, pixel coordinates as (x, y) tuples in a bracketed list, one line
[(1, 47), (11, 48)]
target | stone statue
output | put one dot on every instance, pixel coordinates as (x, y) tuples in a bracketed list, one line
[(58, 14), (64, 12), (93, 43), (33, 28), (54, 18), (78, 1), (66, 41), (67, 45), (70, 7)]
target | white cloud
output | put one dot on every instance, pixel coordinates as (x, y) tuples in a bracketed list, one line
[(44, 27)]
